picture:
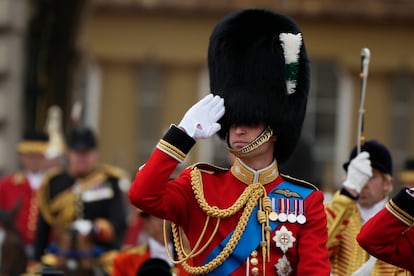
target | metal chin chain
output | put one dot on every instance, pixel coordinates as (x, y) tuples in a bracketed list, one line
[(260, 140)]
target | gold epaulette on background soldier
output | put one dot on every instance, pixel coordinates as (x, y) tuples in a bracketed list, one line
[(113, 171)]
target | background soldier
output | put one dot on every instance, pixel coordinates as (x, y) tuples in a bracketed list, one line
[(21, 187), (365, 191), (84, 207)]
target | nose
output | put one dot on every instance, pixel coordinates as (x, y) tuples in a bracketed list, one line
[(239, 130)]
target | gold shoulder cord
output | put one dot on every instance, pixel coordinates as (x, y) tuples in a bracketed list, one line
[(64, 203), (248, 199)]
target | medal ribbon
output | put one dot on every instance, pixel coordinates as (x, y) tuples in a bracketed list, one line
[(251, 236)]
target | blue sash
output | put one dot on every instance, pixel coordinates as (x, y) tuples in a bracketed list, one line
[(251, 237)]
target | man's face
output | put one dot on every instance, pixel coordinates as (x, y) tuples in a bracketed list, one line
[(242, 135), (377, 187), (33, 162), (81, 163)]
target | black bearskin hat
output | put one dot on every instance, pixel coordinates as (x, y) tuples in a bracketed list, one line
[(258, 63)]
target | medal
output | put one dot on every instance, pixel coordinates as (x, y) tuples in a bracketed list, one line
[(282, 214), (284, 239), (301, 217), (282, 217), (283, 267), (291, 218), (292, 213), (273, 216)]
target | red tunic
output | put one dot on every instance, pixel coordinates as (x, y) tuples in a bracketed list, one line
[(389, 237), (16, 187), (128, 262), (174, 200)]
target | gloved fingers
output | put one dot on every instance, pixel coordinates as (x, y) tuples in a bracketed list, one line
[(362, 155), (362, 163), (214, 128), (218, 110), (213, 101), (206, 99)]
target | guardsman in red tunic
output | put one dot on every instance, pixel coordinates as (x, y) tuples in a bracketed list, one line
[(248, 219), (389, 235), (21, 187)]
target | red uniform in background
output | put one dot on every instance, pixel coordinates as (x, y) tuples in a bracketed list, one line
[(19, 189), (129, 261), (15, 189), (389, 235)]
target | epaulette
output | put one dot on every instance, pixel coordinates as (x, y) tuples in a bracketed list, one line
[(113, 171), (46, 205), (300, 182), (209, 168)]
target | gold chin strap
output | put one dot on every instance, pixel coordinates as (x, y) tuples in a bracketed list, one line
[(260, 140)]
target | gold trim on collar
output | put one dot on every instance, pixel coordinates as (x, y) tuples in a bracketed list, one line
[(248, 176)]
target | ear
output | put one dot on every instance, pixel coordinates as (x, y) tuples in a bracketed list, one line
[(389, 185)]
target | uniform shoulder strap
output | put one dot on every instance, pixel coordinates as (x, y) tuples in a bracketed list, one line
[(300, 182), (113, 171), (209, 168)]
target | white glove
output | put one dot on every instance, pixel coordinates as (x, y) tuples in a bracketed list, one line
[(83, 226), (359, 172), (200, 121)]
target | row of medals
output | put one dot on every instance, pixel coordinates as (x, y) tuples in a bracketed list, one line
[(283, 217)]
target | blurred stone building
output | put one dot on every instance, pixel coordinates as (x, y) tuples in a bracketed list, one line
[(137, 65)]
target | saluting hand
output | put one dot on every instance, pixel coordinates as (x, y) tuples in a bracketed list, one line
[(200, 121)]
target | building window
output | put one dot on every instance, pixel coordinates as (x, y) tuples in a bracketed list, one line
[(149, 96), (327, 123), (401, 91)]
